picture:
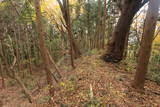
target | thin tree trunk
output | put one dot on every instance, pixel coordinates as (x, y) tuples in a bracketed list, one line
[(88, 22), (146, 44), (98, 25), (29, 54), (73, 50), (42, 47), (104, 24), (2, 75), (1, 66), (11, 73), (25, 90), (66, 16)]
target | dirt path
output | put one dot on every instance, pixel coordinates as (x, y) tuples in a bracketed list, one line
[(93, 82)]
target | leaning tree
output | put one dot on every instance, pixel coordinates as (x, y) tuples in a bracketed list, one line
[(116, 46), (146, 44)]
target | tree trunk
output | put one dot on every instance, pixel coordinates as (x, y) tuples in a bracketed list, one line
[(24, 89), (89, 22), (42, 47), (11, 72), (116, 46), (2, 75), (146, 44), (104, 25), (66, 16), (126, 47), (1, 66), (98, 25)]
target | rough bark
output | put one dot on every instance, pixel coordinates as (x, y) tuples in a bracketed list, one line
[(116, 45), (146, 44)]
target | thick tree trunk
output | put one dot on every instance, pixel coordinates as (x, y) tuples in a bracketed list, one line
[(116, 46), (117, 43), (146, 46)]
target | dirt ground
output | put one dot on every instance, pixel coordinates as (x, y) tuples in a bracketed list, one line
[(93, 83)]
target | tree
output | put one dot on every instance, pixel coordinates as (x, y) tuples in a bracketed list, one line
[(146, 44), (88, 9), (104, 24), (115, 49), (2, 75), (42, 47), (74, 50), (65, 9), (98, 25)]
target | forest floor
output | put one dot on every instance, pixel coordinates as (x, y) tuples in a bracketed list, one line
[(93, 83)]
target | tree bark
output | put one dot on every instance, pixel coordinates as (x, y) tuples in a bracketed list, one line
[(11, 73), (24, 89), (2, 75), (115, 49), (104, 25), (64, 6), (1, 66), (98, 25), (88, 9), (146, 44), (42, 47)]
